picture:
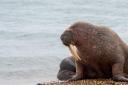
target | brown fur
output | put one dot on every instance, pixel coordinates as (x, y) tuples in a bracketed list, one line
[(98, 47)]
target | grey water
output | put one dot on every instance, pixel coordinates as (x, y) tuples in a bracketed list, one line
[(30, 46)]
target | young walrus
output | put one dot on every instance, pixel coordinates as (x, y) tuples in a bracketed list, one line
[(98, 48)]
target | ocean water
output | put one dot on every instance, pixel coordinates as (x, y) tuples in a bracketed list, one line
[(30, 46)]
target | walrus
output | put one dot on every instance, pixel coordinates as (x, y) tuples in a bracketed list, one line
[(67, 69), (101, 52)]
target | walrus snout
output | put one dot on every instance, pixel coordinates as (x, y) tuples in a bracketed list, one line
[(66, 40), (67, 37)]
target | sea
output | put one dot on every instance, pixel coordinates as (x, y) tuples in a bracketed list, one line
[(30, 45)]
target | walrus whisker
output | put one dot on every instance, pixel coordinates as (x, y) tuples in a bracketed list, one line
[(73, 51)]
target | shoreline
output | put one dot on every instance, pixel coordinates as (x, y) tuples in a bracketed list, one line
[(87, 82)]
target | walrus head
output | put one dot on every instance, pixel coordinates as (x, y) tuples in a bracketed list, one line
[(68, 40)]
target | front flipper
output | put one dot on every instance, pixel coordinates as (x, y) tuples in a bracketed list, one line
[(117, 70), (79, 72)]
